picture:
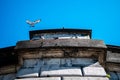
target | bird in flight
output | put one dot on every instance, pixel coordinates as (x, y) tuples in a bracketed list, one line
[(32, 23)]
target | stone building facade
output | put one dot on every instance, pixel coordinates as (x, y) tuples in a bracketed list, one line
[(61, 54)]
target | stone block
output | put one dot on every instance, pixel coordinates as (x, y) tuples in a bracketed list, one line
[(9, 77), (28, 72), (45, 67), (113, 76), (66, 62), (30, 62), (94, 71), (85, 78), (118, 74), (1, 77), (52, 61), (61, 71), (52, 53), (31, 55), (45, 78), (8, 69), (96, 64), (82, 61), (113, 66), (113, 57)]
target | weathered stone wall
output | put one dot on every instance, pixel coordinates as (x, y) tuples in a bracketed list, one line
[(61, 67), (63, 53), (61, 36), (113, 61), (8, 69), (113, 57), (47, 34)]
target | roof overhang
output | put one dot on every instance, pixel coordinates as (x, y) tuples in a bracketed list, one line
[(47, 43)]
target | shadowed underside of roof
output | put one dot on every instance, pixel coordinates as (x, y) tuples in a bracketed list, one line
[(85, 31)]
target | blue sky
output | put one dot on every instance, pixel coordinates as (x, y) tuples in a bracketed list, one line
[(102, 16)]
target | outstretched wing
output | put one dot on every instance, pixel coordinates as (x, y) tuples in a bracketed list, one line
[(29, 22), (37, 21)]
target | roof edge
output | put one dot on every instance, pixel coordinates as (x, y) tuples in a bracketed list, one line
[(31, 33)]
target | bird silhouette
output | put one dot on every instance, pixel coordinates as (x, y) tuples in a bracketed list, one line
[(32, 23)]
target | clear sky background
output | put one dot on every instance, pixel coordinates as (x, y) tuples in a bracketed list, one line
[(102, 16)]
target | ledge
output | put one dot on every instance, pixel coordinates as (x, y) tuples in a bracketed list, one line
[(43, 43)]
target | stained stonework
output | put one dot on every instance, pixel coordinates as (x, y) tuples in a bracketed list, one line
[(97, 54), (113, 66), (28, 72), (60, 54), (8, 69), (113, 57), (60, 67)]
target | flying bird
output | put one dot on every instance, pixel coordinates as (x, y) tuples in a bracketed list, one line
[(32, 24)]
